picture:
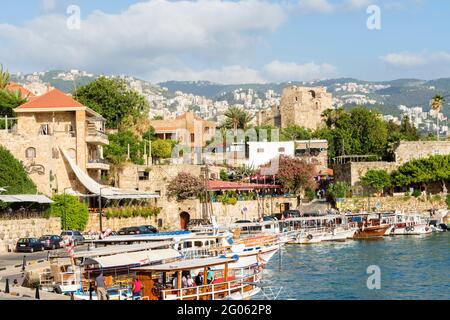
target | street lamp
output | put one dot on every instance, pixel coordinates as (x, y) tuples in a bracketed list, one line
[(100, 207), (64, 213)]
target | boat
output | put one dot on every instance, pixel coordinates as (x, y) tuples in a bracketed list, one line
[(370, 225), (308, 237), (230, 283), (411, 224)]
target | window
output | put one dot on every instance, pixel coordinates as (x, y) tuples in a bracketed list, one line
[(143, 175), (44, 130), (192, 137), (30, 153), (260, 150), (198, 244), (282, 149)]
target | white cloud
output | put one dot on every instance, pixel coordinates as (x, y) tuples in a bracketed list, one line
[(408, 59), (147, 36), (48, 5), (281, 71), (316, 6)]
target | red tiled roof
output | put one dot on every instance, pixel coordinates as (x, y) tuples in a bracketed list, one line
[(52, 99), (228, 185), (14, 87)]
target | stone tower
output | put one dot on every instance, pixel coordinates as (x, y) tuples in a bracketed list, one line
[(304, 106)]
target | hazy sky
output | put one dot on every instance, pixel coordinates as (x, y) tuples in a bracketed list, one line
[(229, 41)]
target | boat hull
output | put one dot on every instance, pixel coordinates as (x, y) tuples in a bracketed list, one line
[(370, 232), (413, 230)]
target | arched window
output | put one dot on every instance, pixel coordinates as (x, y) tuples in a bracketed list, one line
[(30, 153)]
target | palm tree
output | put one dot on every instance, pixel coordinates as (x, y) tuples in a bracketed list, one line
[(237, 118), (436, 104), (4, 78)]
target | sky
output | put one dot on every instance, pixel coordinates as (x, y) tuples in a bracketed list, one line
[(240, 41)]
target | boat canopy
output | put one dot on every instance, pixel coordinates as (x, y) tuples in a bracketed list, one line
[(105, 191), (38, 198), (185, 265), (133, 258), (111, 250), (160, 236)]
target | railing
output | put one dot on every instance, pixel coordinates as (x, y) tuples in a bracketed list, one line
[(213, 291), (19, 214), (97, 133), (103, 161)]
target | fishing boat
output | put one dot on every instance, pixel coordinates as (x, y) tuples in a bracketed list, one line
[(164, 282)]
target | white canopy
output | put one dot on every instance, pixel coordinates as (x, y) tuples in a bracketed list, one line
[(133, 258), (25, 198), (105, 191)]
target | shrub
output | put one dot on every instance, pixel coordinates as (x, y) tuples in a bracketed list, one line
[(76, 212), (447, 200), (416, 193), (13, 175)]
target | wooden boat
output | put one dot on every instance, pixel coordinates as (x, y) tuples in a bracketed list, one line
[(229, 283), (370, 225)]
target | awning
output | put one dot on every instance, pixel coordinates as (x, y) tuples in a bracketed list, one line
[(133, 258), (38, 198), (105, 191), (214, 185)]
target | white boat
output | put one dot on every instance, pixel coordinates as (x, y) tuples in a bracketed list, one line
[(339, 233), (309, 236), (411, 225)]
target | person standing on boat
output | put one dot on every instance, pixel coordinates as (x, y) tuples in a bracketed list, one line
[(137, 289), (210, 275), (101, 288)]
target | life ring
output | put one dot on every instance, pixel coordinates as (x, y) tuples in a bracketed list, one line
[(309, 237), (411, 229)]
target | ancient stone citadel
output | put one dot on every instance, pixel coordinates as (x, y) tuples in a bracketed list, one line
[(302, 106)]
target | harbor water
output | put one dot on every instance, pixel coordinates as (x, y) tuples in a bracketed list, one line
[(411, 267)]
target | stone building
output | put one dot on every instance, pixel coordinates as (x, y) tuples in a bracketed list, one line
[(302, 106), (190, 130), (405, 151), (45, 126)]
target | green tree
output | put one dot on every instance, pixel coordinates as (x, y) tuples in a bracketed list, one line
[(158, 118), (356, 132), (237, 118), (9, 101), (117, 150), (377, 179), (72, 210), (295, 132), (338, 190), (112, 99), (13, 176), (224, 175), (162, 149)]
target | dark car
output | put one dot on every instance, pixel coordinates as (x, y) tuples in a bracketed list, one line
[(29, 245), (51, 242), (151, 228), (134, 230)]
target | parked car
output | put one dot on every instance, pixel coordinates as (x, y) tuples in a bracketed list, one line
[(51, 242), (73, 235), (134, 230), (151, 228), (29, 245)]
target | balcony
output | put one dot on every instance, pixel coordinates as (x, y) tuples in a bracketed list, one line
[(96, 137), (97, 164)]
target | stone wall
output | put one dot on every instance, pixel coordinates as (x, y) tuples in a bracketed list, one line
[(400, 202), (351, 172), (410, 150), (13, 230)]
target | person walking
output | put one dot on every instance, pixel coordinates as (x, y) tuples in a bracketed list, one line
[(101, 288)]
